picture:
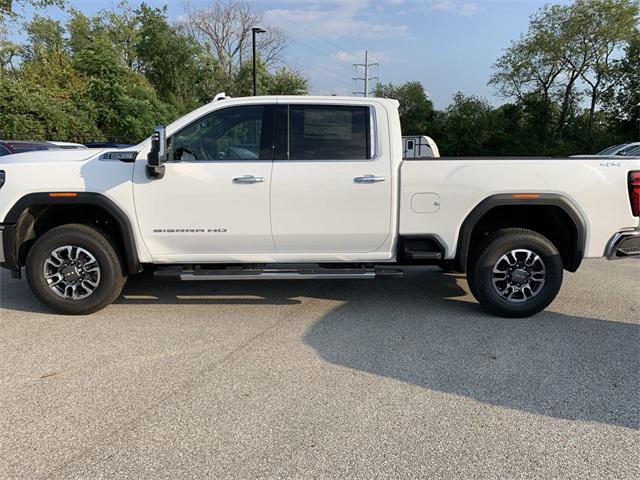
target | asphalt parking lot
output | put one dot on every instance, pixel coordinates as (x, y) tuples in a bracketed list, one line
[(324, 379)]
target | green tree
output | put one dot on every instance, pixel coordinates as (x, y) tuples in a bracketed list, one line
[(280, 82), (287, 82), (416, 109), (611, 26), (173, 62), (465, 126), (7, 7), (124, 104), (570, 51), (623, 104), (29, 110)]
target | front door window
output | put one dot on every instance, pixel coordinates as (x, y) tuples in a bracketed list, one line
[(229, 134)]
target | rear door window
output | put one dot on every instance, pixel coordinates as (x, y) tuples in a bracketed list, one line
[(329, 132)]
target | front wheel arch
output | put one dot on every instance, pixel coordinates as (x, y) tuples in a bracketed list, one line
[(36, 213)]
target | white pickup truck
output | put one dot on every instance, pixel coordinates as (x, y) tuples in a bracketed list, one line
[(306, 187)]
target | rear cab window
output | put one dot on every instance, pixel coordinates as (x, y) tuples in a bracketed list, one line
[(330, 132)]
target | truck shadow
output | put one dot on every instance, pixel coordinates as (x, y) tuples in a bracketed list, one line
[(427, 331), (552, 364)]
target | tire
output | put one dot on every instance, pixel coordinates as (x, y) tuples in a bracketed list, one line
[(84, 291), (529, 283)]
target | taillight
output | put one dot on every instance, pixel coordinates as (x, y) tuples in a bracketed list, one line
[(634, 192)]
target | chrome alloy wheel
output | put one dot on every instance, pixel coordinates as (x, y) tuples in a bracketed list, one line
[(72, 272), (519, 275)]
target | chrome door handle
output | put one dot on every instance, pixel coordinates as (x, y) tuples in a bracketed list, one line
[(248, 179), (369, 179)]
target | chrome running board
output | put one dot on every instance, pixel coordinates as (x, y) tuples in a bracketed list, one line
[(276, 273)]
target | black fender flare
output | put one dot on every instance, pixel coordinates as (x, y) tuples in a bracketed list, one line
[(71, 198), (502, 199)]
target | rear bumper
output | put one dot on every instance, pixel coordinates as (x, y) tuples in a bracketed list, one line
[(624, 244)]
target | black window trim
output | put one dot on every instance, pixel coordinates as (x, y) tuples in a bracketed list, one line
[(211, 112), (374, 144)]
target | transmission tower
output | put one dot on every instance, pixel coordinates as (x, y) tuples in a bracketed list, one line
[(366, 77)]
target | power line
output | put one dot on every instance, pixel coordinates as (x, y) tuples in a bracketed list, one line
[(339, 63), (305, 29), (328, 88), (318, 68), (336, 61)]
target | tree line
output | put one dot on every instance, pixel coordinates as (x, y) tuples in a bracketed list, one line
[(116, 74), (571, 83)]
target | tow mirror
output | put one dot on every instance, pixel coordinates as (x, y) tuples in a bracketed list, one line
[(158, 153)]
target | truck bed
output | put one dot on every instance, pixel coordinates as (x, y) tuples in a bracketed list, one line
[(438, 194)]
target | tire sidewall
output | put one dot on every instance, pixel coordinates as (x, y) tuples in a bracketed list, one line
[(484, 289), (103, 254)]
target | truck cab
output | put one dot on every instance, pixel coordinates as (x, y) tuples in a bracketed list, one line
[(232, 171)]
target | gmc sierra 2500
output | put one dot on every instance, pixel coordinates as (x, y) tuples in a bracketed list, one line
[(306, 187)]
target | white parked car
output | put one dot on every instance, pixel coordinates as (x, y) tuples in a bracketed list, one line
[(68, 145), (306, 187)]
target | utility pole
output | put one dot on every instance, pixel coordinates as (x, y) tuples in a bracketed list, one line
[(254, 31), (366, 77)]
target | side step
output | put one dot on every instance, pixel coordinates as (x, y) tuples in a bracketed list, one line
[(423, 255), (276, 273), (421, 249)]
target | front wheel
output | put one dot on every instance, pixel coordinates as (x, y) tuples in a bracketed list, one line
[(515, 273), (74, 270)]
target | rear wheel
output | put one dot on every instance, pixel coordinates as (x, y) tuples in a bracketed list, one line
[(74, 270), (515, 273)]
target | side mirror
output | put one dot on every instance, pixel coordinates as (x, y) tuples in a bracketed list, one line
[(158, 153)]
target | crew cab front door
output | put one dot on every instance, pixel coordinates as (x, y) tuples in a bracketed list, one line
[(331, 194), (213, 202)]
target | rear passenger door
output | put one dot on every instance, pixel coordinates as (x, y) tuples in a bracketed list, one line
[(331, 182)]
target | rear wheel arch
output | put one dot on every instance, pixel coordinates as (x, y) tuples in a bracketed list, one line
[(552, 215), (37, 213)]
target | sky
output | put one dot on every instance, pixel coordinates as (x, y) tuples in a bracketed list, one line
[(447, 45)]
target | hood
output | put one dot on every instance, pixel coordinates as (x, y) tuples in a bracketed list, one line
[(61, 155)]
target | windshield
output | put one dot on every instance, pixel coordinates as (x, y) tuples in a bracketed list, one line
[(626, 150), (611, 150), (635, 152)]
